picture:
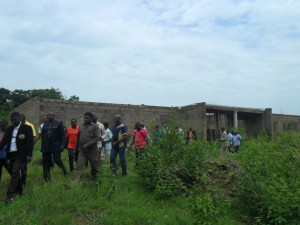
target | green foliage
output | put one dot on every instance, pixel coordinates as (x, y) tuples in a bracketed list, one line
[(110, 200), (11, 99), (270, 187), (210, 209), (169, 167)]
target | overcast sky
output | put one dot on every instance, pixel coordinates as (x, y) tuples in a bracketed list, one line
[(165, 53)]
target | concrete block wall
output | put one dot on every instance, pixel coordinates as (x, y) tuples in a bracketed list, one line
[(252, 120), (281, 122), (194, 116)]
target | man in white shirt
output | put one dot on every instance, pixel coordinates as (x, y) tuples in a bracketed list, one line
[(19, 141)]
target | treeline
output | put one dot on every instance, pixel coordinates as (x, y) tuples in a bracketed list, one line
[(12, 99)]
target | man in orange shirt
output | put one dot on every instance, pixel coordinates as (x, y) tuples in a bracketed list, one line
[(71, 136)]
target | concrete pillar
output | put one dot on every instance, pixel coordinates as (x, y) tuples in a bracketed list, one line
[(268, 122), (235, 120)]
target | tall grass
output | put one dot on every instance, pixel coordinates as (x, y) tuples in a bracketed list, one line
[(109, 200)]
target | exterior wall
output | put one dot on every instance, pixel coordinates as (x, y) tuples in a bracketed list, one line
[(281, 122), (205, 119), (31, 110), (194, 116), (66, 110)]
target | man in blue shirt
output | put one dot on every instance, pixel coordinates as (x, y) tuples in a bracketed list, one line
[(119, 144)]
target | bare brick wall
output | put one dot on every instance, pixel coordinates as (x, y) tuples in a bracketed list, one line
[(282, 122), (252, 120)]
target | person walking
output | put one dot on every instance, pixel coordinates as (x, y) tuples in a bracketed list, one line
[(119, 144), (190, 135), (3, 151), (224, 141), (157, 134), (139, 139), (88, 136), (19, 141), (102, 136), (107, 139), (24, 169), (52, 144), (229, 136), (71, 136), (236, 139)]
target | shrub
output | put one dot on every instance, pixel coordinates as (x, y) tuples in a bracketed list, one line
[(270, 187), (170, 167)]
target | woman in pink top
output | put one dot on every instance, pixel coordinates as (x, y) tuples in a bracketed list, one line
[(139, 138)]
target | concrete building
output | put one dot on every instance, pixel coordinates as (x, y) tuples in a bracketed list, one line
[(206, 119)]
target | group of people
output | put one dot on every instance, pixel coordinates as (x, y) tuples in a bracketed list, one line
[(86, 144), (228, 140)]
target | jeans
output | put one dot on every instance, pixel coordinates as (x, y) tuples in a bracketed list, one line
[(113, 156)]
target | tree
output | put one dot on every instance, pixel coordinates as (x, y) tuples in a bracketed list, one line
[(4, 95), (11, 99), (51, 93), (73, 98)]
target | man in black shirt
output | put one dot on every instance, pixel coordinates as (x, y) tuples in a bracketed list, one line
[(52, 143)]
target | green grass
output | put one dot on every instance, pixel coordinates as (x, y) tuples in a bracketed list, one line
[(109, 200)]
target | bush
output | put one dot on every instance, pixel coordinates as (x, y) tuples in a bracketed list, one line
[(170, 167), (270, 187)]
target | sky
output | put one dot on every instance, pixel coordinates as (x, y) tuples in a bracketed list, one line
[(164, 52)]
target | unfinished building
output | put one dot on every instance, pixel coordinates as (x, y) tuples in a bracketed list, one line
[(206, 119)]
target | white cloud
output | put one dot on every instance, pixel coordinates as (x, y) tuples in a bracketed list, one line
[(171, 52)]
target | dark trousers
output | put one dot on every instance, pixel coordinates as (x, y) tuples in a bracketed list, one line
[(24, 174), (236, 148), (15, 184), (47, 162), (113, 158), (71, 159)]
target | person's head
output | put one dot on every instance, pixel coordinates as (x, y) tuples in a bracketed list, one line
[(22, 117), (191, 129), (138, 126), (106, 125), (95, 118), (73, 123), (156, 127), (50, 116), (142, 125), (222, 129), (117, 119), (88, 118), (15, 118), (44, 119)]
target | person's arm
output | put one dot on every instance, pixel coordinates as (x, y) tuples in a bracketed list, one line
[(102, 133), (131, 141), (30, 143), (61, 135), (94, 140)]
